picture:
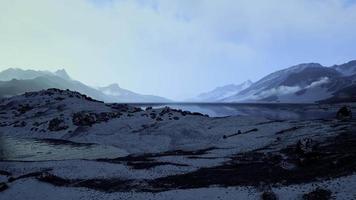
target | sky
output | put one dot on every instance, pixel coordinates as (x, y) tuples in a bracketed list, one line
[(174, 48)]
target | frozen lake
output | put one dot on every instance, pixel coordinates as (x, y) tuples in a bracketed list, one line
[(270, 111)]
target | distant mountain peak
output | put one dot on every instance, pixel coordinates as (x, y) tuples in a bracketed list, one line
[(113, 86), (222, 92), (346, 69), (62, 73)]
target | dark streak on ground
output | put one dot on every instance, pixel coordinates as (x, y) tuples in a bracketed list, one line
[(335, 157)]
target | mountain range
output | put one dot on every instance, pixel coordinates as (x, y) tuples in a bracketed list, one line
[(303, 83), (17, 81)]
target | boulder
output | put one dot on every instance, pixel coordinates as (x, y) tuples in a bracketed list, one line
[(57, 124), (344, 113)]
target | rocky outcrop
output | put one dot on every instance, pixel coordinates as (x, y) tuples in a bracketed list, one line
[(90, 118), (57, 124)]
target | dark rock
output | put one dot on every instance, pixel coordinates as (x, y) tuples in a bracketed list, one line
[(135, 109), (164, 111), (269, 195), (84, 119), (305, 146), (59, 98), (153, 115), (24, 108), (89, 118), (119, 107), (306, 153), (5, 173), (50, 178), (61, 107), (176, 118), (3, 186), (57, 124), (344, 113), (149, 108), (318, 194), (20, 124)]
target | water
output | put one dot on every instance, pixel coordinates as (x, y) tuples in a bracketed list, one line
[(26, 149), (270, 111)]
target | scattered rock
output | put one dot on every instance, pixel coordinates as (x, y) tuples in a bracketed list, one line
[(176, 118), (344, 113), (318, 194), (269, 195), (57, 124)]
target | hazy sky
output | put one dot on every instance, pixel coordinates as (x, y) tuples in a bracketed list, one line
[(174, 48)]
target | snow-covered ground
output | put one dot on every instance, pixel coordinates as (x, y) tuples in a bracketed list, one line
[(59, 144)]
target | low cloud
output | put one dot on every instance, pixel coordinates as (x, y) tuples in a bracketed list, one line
[(284, 90)]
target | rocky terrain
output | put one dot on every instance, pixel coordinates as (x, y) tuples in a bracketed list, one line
[(60, 144)]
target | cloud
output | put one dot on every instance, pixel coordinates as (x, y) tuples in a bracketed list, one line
[(284, 90), (321, 81), (174, 48), (278, 91)]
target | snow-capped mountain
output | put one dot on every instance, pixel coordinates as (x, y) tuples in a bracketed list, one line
[(304, 83), (17, 81), (222, 92)]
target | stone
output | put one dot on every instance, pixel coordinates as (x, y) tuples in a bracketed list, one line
[(57, 124), (344, 113)]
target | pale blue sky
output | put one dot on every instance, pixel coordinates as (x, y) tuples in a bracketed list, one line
[(174, 48)]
